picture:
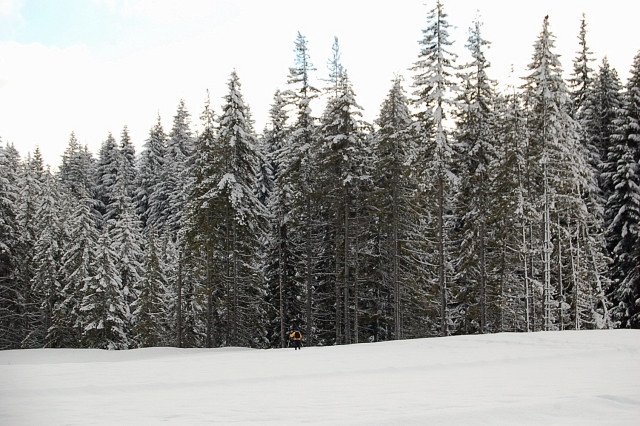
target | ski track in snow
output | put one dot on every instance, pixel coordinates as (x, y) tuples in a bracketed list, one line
[(552, 378)]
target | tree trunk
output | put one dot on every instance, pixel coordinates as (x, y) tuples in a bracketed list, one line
[(179, 302), (280, 292), (209, 287), (347, 328), (441, 265), (547, 253), (310, 330)]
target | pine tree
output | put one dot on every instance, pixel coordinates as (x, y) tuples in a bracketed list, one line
[(623, 206), (176, 169), (475, 199), (105, 312), (433, 84), (341, 158), (201, 232), (75, 269), (12, 329), (148, 309), (601, 128), (398, 211), (128, 165), (512, 214), (581, 81), (125, 234), (284, 292), (234, 219), (151, 199), (299, 177), (46, 286), (558, 177), (106, 176), (76, 171), (29, 179)]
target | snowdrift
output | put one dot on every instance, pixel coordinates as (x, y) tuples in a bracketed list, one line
[(586, 378)]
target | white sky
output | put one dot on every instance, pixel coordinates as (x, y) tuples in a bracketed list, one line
[(93, 66)]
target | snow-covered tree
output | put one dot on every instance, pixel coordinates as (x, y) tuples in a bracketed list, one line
[(478, 155), (125, 235), (623, 207), (76, 171), (149, 309), (284, 292), (233, 218), (341, 160), (46, 286), (106, 175), (75, 269), (433, 90), (299, 178), (398, 218), (558, 176), (128, 165), (151, 198), (12, 289), (175, 176), (105, 313)]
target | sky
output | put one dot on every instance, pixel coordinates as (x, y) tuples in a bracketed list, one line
[(94, 66)]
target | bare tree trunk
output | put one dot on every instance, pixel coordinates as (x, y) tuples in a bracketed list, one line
[(397, 302), (574, 278), (527, 308), (209, 287), (236, 306), (560, 283), (547, 254), (179, 302), (347, 328), (280, 260), (356, 277), (483, 278), (309, 274), (441, 265)]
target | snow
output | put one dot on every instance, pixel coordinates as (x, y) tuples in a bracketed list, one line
[(585, 377)]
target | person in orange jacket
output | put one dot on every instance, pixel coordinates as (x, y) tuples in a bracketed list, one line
[(297, 339)]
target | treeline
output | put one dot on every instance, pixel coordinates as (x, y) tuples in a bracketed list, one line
[(462, 209)]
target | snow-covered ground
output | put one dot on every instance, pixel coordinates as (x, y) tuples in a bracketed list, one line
[(567, 378)]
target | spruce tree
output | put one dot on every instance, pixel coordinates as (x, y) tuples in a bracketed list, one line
[(398, 218), (299, 177), (148, 309), (558, 177), (176, 177), (433, 86), (284, 292), (125, 234), (623, 207), (151, 198), (46, 286), (76, 171), (105, 312), (128, 165), (200, 228), (236, 218), (475, 200), (106, 175), (75, 269), (341, 159), (12, 293)]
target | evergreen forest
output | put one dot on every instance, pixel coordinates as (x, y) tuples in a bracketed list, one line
[(466, 207)]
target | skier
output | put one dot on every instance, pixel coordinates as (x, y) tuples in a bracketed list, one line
[(297, 339)]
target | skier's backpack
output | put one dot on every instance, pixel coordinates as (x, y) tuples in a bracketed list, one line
[(297, 335)]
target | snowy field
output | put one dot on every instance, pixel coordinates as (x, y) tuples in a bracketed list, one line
[(558, 378)]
